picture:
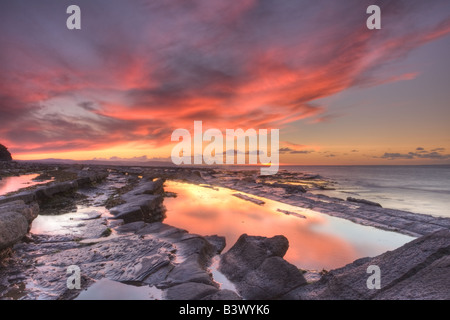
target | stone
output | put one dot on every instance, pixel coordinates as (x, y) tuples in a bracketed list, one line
[(363, 201), (30, 212), (13, 227), (190, 270), (47, 192), (257, 268), (249, 252), (190, 291), (145, 187), (218, 243), (143, 207), (223, 295), (25, 196)]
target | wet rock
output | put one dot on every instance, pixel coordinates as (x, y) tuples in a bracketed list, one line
[(190, 270), (25, 196), (217, 242), (145, 187), (223, 295), (30, 212), (92, 215), (143, 203), (47, 192), (143, 207), (190, 291), (271, 280), (13, 227), (364, 201), (247, 198), (419, 269), (249, 252), (88, 177), (255, 265), (290, 188)]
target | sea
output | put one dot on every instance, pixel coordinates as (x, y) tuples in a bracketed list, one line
[(418, 189), (423, 189)]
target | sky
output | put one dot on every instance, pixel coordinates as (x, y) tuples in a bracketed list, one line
[(137, 70)]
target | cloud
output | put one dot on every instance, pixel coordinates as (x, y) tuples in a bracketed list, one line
[(292, 151), (143, 158), (138, 70), (421, 153)]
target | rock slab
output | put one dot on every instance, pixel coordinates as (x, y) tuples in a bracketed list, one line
[(257, 268)]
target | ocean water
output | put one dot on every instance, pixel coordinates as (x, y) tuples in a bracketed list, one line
[(419, 189)]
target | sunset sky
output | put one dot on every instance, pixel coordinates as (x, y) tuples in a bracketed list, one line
[(137, 70)]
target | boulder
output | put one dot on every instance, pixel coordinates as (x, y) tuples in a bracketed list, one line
[(249, 252), (30, 212), (13, 227), (257, 268)]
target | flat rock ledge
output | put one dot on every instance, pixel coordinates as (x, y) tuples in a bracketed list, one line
[(419, 270), (143, 203)]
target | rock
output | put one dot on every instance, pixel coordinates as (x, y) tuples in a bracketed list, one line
[(145, 187), (223, 295), (217, 242), (143, 203), (5, 155), (247, 198), (27, 197), (419, 269), (30, 212), (291, 188), (291, 213), (13, 227), (273, 278), (47, 192), (190, 291), (363, 201), (255, 265), (189, 270), (143, 207), (249, 252)]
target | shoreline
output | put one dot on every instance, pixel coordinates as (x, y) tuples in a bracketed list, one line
[(169, 258)]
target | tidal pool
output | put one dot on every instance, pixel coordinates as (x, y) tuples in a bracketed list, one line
[(316, 241), (11, 184)]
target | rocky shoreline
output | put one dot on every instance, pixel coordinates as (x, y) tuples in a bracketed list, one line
[(121, 237)]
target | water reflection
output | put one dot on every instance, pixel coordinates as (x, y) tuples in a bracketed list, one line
[(317, 242), (11, 184)]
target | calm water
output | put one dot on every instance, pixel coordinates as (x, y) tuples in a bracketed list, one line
[(10, 184), (319, 241), (420, 189)]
